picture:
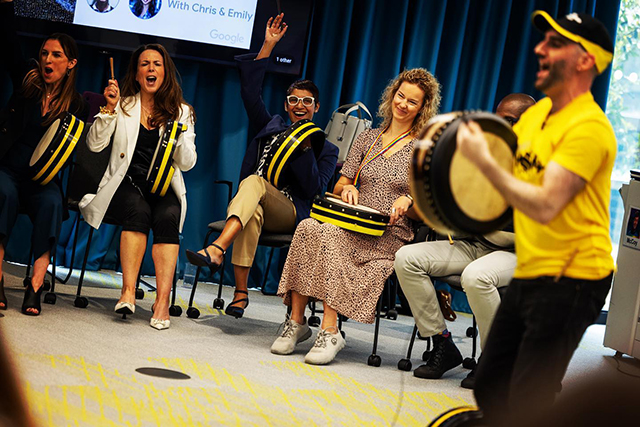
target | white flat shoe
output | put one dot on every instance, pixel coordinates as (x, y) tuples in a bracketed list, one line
[(125, 308), (160, 324)]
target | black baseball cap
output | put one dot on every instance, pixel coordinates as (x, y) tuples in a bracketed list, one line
[(583, 29)]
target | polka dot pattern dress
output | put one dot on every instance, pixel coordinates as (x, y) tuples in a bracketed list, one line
[(344, 268)]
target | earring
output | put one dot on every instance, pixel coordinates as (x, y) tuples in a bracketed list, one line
[(68, 71)]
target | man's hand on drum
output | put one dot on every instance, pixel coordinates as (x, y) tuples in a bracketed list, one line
[(350, 194), (399, 208), (472, 143), (112, 95), (276, 29)]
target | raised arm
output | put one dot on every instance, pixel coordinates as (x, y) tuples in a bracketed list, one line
[(252, 69), (104, 124)]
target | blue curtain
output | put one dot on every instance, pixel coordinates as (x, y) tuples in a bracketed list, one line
[(480, 51)]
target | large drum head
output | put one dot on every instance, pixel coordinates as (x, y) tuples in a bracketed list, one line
[(463, 416), (55, 148), (451, 193)]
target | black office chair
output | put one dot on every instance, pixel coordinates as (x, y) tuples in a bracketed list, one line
[(271, 240)]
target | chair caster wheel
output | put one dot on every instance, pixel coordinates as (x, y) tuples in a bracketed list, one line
[(50, 298), (404, 365), (46, 285), (139, 293), (392, 314), (469, 363), (426, 355), (193, 313), (218, 303), (314, 321), (81, 302), (472, 332), (374, 360), (175, 311)]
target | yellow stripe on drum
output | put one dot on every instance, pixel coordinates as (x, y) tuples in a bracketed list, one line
[(66, 135), (167, 181), (165, 158), (347, 225), (357, 218), (70, 148), (284, 144), (289, 152), (448, 415)]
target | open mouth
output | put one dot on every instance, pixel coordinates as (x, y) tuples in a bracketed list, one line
[(299, 113), (151, 79), (48, 71)]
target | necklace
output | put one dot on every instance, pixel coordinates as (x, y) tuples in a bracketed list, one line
[(147, 113)]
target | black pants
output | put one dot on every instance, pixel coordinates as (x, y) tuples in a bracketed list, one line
[(43, 204), (135, 209), (536, 330)]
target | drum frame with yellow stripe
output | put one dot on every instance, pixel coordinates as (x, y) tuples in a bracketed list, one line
[(161, 170), (463, 416), (55, 148), (324, 209), (430, 174), (286, 147)]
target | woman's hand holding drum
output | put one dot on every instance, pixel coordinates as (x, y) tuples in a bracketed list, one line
[(350, 194)]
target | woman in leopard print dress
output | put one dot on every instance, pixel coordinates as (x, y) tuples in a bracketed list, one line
[(344, 269)]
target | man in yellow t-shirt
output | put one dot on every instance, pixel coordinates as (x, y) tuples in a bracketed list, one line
[(560, 194)]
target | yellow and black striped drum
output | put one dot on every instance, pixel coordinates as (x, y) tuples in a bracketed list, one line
[(161, 170), (451, 194), (356, 218), (289, 145), (463, 416), (55, 148)]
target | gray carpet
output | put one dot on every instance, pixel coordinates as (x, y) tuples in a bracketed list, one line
[(78, 366)]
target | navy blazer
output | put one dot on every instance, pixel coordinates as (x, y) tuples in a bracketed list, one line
[(311, 175)]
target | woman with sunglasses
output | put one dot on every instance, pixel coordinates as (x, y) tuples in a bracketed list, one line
[(43, 91), (258, 205), (344, 269), (132, 122)]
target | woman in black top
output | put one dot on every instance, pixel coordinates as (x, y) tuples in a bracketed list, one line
[(42, 92)]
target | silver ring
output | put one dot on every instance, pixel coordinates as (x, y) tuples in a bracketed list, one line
[(393, 210)]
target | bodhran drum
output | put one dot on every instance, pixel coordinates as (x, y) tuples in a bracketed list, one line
[(290, 144), (161, 170), (462, 416), (55, 148), (451, 194), (356, 218)]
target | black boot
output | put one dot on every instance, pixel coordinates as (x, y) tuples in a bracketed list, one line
[(444, 356)]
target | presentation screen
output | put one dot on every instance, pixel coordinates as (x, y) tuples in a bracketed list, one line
[(209, 30)]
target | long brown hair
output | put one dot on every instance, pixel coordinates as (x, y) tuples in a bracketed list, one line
[(33, 84), (425, 81), (167, 100)]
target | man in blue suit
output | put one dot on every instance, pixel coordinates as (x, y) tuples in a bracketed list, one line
[(258, 205)]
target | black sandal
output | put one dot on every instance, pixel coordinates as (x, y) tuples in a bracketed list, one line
[(32, 300), (3, 297), (205, 260), (234, 311)]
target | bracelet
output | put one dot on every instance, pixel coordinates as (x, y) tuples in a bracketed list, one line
[(104, 110), (408, 196)]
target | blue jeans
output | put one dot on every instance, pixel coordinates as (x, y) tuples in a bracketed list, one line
[(536, 330)]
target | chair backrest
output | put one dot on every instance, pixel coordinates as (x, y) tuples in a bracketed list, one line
[(87, 171), (95, 101)]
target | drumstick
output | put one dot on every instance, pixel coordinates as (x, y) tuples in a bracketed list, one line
[(279, 7), (450, 239), (566, 265), (113, 75), (335, 196)]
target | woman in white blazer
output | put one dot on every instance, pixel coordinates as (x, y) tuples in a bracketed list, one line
[(134, 120)]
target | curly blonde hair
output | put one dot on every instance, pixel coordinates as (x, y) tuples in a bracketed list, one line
[(425, 81)]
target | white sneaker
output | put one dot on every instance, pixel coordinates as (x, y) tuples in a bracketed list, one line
[(326, 347), (292, 334)]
